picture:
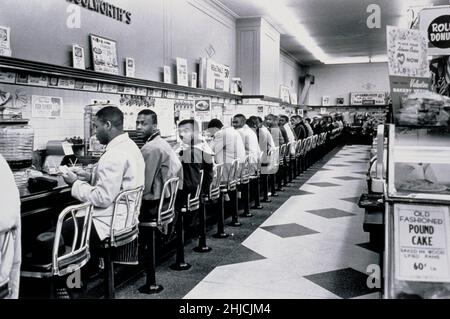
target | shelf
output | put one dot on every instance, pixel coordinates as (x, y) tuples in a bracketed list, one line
[(262, 98), (56, 70)]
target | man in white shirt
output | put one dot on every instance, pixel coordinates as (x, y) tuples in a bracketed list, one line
[(10, 245), (284, 121), (249, 139), (227, 146)]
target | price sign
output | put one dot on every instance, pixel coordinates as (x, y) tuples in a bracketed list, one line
[(421, 243)]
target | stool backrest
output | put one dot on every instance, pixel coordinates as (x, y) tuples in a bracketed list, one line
[(194, 203), (6, 244), (258, 171), (245, 171), (298, 147), (233, 175), (282, 153), (166, 215), (214, 187), (78, 254), (287, 151), (128, 231)]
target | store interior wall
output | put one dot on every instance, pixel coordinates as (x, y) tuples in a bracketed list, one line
[(339, 80), (290, 73), (160, 30)]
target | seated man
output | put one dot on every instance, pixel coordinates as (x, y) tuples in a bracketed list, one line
[(227, 146), (9, 221), (284, 122), (161, 163), (274, 129), (249, 139), (299, 127), (196, 155)]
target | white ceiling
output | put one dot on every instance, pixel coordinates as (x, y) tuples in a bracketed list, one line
[(337, 26)]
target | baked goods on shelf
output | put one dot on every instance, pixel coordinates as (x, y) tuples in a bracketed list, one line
[(424, 109)]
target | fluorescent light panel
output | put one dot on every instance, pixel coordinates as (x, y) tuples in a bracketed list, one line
[(282, 14)]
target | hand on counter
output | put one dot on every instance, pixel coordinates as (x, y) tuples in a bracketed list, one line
[(70, 178)]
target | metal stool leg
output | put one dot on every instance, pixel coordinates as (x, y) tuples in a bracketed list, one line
[(150, 286), (109, 274), (265, 184), (246, 200), (180, 264), (220, 220), (234, 217), (202, 247), (257, 194), (273, 188), (280, 174)]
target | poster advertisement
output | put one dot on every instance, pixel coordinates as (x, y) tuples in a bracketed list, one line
[(217, 76), (284, 94), (167, 76), (129, 67), (108, 88), (325, 100), (236, 86), (5, 41), (165, 110), (66, 83), (7, 76), (422, 243), (435, 23), (202, 110), (182, 72), (408, 70), (104, 55), (46, 106), (217, 111), (367, 98), (78, 57), (37, 80), (194, 79)]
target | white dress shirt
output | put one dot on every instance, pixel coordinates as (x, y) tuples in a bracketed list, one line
[(291, 137), (10, 219), (227, 146), (120, 168), (251, 145)]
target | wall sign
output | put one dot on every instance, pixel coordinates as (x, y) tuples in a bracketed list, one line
[(5, 41), (105, 9), (46, 106), (217, 76), (435, 22), (104, 55), (367, 98), (422, 243)]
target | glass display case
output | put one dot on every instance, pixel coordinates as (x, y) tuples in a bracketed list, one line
[(417, 214)]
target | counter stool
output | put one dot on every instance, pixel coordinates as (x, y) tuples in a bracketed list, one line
[(192, 205), (307, 154), (287, 178), (122, 237), (165, 215), (7, 238), (297, 156), (255, 180), (230, 186), (214, 194), (274, 155), (66, 258), (281, 170), (202, 246), (244, 186)]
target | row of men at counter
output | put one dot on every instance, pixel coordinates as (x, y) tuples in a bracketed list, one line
[(123, 166)]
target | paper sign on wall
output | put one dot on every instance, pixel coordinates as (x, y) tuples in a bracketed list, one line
[(5, 41), (165, 109), (421, 243), (217, 76), (46, 106), (435, 22)]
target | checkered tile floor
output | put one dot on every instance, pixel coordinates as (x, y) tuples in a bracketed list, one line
[(312, 247)]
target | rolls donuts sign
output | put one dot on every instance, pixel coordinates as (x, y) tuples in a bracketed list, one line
[(435, 22)]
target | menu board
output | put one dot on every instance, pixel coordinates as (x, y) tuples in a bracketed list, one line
[(202, 109), (421, 243), (217, 76), (367, 98), (104, 55), (182, 73)]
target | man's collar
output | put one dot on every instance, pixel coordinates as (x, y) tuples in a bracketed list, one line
[(117, 140), (157, 133)]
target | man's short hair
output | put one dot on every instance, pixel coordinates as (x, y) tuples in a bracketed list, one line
[(252, 121), (191, 122), (215, 123), (151, 113), (272, 116), (111, 114), (240, 116), (285, 117)]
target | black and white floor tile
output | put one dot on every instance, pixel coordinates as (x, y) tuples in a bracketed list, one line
[(311, 247)]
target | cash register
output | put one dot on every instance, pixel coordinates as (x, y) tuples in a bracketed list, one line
[(58, 153)]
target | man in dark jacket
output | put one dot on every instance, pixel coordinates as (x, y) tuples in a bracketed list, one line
[(299, 127), (195, 155)]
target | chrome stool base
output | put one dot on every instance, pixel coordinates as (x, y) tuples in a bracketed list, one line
[(180, 266), (221, 235), (200, 249), (151, 290)]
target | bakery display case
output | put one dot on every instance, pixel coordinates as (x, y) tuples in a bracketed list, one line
[(417, 214)]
